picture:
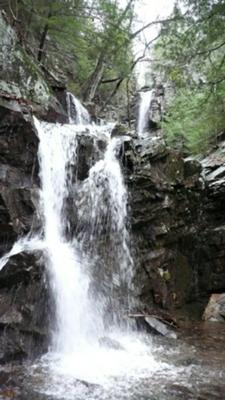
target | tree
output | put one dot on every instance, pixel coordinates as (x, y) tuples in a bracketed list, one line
[(89, 40), (191, 56)]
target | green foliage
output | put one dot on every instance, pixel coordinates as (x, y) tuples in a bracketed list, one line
[(70, 36), (191, 57), (194, 119)]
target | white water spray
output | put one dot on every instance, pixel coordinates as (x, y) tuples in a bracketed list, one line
[(67, 269), (102, 201)]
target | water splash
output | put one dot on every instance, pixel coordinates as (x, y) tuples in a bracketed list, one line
[(102, 201), (143, 117), (25, 244)]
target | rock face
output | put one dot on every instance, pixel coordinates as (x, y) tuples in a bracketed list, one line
[(18, 173), (156, 109), (24, 298), (20, 77), (24, 308), (22, 80), (178, 224)]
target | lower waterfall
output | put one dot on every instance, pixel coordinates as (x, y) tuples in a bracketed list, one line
[(85, 245), (90, 267), (102, 200), (86, 295)]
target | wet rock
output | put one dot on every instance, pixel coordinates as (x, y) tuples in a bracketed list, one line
[(177, 224), (121, 130), (154, 325), (160, 327), (25, 302), (215, 310), (191, 167), (18, 175), (18, 141), (110, 343)]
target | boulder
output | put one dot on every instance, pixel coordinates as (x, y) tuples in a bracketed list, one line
[(215, 310), (154, 325), (121, 130), (110, 343)]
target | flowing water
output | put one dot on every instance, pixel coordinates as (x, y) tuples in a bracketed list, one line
[(77, 113), (93, 354), (143, 117)]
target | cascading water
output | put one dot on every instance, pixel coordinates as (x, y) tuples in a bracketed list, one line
[(102, 199), (57, 154), (89, 268), (77, 113), (83, 298), (143, 117)]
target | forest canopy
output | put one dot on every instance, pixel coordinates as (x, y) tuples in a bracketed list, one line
[(87, 41), (91, 44), (190, 55)]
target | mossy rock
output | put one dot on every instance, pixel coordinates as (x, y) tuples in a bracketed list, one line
[(20, 76), (120, 130)]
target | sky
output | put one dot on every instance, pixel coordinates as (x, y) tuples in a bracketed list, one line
[(147, 11)]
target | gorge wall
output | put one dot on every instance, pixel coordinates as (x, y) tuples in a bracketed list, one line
[(177, 208), (176, 211)]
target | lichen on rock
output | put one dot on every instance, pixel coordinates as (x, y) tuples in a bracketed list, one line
[(20, 76)]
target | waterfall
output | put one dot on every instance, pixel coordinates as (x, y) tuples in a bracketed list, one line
[(143, 116), (88, 262), (57, 156), (101, 199), (77, 113)]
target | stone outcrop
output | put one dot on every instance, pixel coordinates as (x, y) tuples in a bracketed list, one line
[(18, 173), (20, 77), (24, 81), (24, 297), (24, 308), (178, 225)]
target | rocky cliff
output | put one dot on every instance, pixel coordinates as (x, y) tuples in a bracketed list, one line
[(177, 214)]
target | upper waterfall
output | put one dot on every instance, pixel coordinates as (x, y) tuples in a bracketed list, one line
[(77, 113), (143, 115)]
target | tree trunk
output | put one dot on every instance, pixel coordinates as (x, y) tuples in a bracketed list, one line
[(91, 85), (112, 94), (43, 39)]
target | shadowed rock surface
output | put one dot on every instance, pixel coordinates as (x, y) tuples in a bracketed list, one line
[(177, 217), (24, 308)]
